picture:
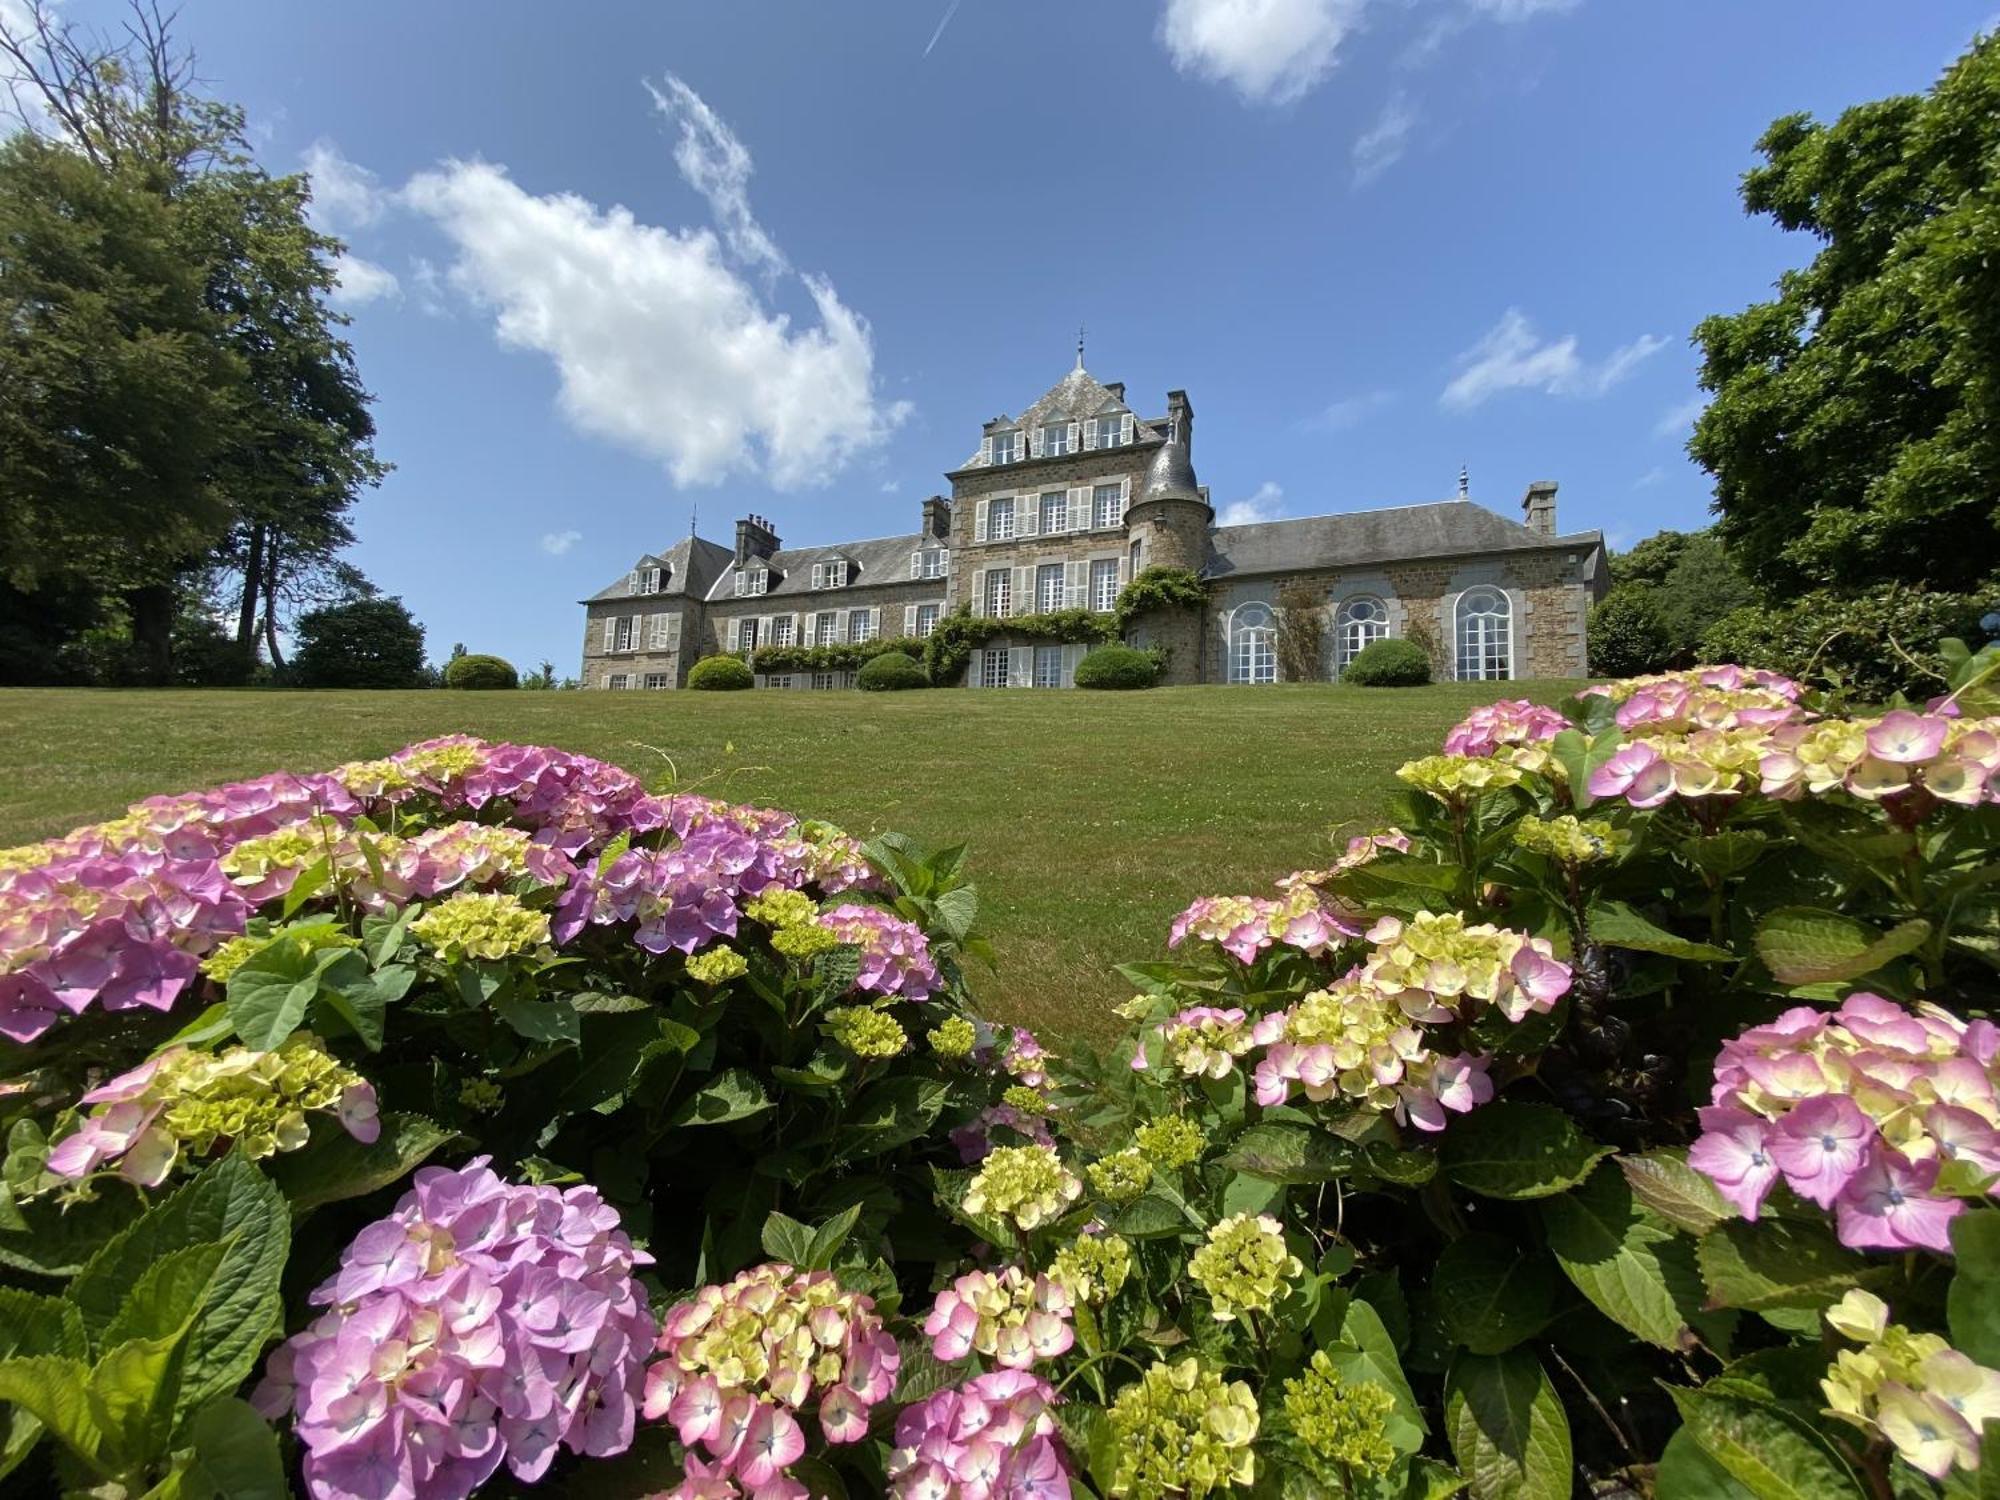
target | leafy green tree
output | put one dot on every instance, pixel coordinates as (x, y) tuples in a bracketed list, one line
[(1854, 433), (1665, 592), (370, 643)]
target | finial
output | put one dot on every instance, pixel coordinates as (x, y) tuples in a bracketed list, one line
[(1464, 481), (1079, 346), (694, 514)]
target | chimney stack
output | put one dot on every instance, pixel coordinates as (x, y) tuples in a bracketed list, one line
[(754, 538), (937, 519), (1538, 507), (1117, 389), (1180, 419)]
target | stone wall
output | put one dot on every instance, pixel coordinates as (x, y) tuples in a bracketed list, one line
[(1027, 482), (717, 632), (673, 661)]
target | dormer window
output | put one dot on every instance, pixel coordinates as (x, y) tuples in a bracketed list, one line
[(643, 581), (1054, 439), (1108, 432), (830, 575), (752, 581), (930, 562), (1003, 448)]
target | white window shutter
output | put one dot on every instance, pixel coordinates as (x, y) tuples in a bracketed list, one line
[(916, 565), (1124, 495), (979, 592), (979, 522), (1076, 586), (975, 670), (1027, 515), (986, 450), (1075, 435), (632, 582), (1079, 508), (1090, 433), (1072, 657), (1020, 666), (1125, 429), (611, 633), (944, 560), (909, 619), (1024, 592), (673, 631), (1035, 442)]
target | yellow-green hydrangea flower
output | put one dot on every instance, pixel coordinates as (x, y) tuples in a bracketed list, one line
[(954, 1037), (253, 861), (1570, 839), (781, 908), (865, 1031), (480, 1095), (308, 937), (804, 941), (1093, 1266), (1027, 1184), (1454, 779), (481, 924), (1028, 1101), (1244, 1266), (1341, 1423), (1171, 1142), (1121, 1176), (717, 965), (1182, 1430)]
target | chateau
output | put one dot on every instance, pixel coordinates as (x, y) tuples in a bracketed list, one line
[(1062, 506)]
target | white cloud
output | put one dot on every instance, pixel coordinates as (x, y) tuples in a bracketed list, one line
[(890, 486), (556, 543), (1265, 505), (1651, 477), (1383, 143), (359, 281), (345, 195), (1351, 411), (661, 347), (1678, 420), (1521, 10), (1512, 356), (717, 165), (1269, 51)]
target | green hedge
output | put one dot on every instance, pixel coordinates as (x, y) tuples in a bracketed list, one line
[(1875, 644), (1389, 663), (891, 672), (839, 657), (480, 672), (1117, 667), (720, 674)]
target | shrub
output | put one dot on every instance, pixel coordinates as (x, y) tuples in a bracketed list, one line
[(1389, 662), (1875, 644), (891, 672), (369, 643), (480, 672), (1625, 633), (1117, 667), (720, 674)]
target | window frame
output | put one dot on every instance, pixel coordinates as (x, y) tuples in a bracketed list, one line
[(624, 633), (996, 508), (992, 664), (1103, 584), (1104, 516), (654, 682), (1044, 604), (1346, 627), (1052, 503), (826, 627), (999, 601), (1044, 655), (1253, 644), (926, 627), (1483, 654)]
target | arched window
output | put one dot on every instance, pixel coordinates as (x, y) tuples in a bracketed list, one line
[(1362, 621), (1253, 645), (1485, 636)]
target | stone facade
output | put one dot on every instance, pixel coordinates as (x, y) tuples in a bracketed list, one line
[(1058, 509)]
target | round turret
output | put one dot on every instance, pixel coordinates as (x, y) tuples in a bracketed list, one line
[(1169, 517)]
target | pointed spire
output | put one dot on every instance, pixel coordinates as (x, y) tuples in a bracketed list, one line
[(1464, 482), (694, 514), (1079, 346)]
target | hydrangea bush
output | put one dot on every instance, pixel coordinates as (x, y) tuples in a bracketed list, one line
[(1622, 1120)]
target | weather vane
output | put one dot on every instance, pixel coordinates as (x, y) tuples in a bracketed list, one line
[(1079, 346)]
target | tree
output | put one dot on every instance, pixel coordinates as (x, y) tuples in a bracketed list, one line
[(1664, 593), (371, 643), (1854, 433)]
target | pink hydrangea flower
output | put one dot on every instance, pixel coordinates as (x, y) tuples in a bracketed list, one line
[(990, 1438), (895, 958), (1512, 721)]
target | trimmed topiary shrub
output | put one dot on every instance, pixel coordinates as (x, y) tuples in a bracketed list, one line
[(720, 674), (891, 672), (480, 673), (1389, 663), (1117, 667)]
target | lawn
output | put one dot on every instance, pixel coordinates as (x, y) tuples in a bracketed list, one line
[(1093, 817)]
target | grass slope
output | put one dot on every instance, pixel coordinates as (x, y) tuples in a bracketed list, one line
[(1093, 817)]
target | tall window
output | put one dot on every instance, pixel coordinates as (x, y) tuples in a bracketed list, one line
[(1049, 587), (1048, 666), (999, 519), (1363, 621), (1055, 439), (1485, 636), (1104, 505), (1136, 553), (1253, 645), (927, 618), (781, 631), (993, 669), (621, 639), (659, 633), (1055, 513), (999, 592), (746, 635), (1104, 584), (826, 628), (827, 681), (861, 625)]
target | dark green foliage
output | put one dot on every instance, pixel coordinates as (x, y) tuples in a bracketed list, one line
[(1158, 589), (480, 672), (891, 672), (720, 674), (1876, 643), (949, 648), (837, 657), (1391, 662), (1665, 592), (371, 643), (1117, 666), (1625, 633), (1855, 430)]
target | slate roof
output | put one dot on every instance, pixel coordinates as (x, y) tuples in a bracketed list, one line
[(1076, 396), (1171, 476), (1447, 528), (690, 567), (877, 561)]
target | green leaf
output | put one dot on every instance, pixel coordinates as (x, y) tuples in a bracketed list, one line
[(732, 1095), (1972, 1305), (167, 1294), (235, 1455), (785, 1238), (1151, 1217), (1617, 925), (1293, 1154), (1766, 1449), (229, 1202), (1664, 1182), (134, 1390), (888, 1115), (1635, 1270), (56, 1390), (829, 1236), (1491, 1293), (361, 997), (334, 1165), (1506, 1427), (268, 996), (1781, 1263), (539, 1020), (956, 910), (1804, 945), (1514, 1150), (33, 1325), (1363, 1350), (1686, 1472)]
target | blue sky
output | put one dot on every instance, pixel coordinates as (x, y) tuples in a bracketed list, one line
[(614, 261)]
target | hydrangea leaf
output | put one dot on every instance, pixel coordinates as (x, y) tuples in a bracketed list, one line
[(1803, 945), (1973, 1303), (1298, 1155), (1491, 1293), (1519, 1150), (1781, 1264), (56, 1389), (553, 1020), (1617, 925), (1766, 1449), (1363, 1350), (1635, 1270), (334, 1165), (235, 1455), (1686, 1472), (268, 996), (893, 1112), (1665, 1183), (1507, 1428), (33, 1325)]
